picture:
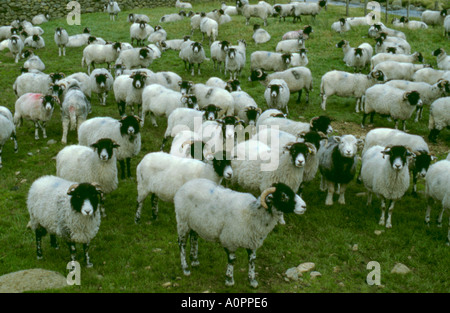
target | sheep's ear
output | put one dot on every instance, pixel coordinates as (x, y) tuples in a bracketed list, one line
[(360, 142), (71, 189), (433, 158), (115, 144), (337, 139), (406, 94)]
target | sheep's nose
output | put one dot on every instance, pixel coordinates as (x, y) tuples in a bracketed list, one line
[(398, 166)]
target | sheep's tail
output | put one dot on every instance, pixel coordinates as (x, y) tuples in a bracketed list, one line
[(362, 103), (73, 118), (431, 121), (83, 61)]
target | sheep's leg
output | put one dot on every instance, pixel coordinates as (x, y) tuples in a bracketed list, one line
[(1, 149), (439, 221), (72, 250), (448, 233), (430, 203), (40, 231), (231, 256), (369, 198), (383, 208), (396, 123), (59, 51), (358, 102), (323, 186), (54, 242), (299, 96), (152, 118), (192, 69), (307, 96), (404, 125), (121, 107), (324, 102), (198, 68), (64, 51), (14, 138), (154, 200), (65, 125), (86, 255), (418, 113), (390, 210), (164, 143), (329, 200), (251, 268), (363, 120), (42, 127), (414, 189), (128, 161), (36, 130), (342, 193), (194, 249), (182, 239), (122, 169)]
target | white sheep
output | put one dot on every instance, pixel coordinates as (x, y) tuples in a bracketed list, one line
[(297, 78), (399, 70), (163, 181), (442, 59), (385, 43), (387, 100), (301, 33), (158, 35), (260, 35), (290, 45), (300, 58), (308, 8), (7, 130), (234, 63), (161, 101), (173, 17), (128, 91), (173, 44), (135, 58), (81, 79), (182, 119), (405, 58), (245, 107), (213, 95), (15, 46), (376, 29), (437, 191), (97, 54), (79, 40), (283, 10), (433, 18), (137, 18), (140, 32), (34, 41), (33, 61), (277, 95), (270, 61), (40, 19), (228, 9), (65, 209), (359, 57), (113, 9), (357, 21), (183, 5), (34, 83), (236, 222), (168, 79), (447, 26), (210, 28), (384, 172), (253, 10), (192, 54), (74, 110), (186, 143), (337, 164), (341, 26), (125, 132), (409, 24), (101, 82), (439, 117), (344, 84), (37, 108), (61, 38)]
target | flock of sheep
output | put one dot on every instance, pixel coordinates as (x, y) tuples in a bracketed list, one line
[(213, 153)]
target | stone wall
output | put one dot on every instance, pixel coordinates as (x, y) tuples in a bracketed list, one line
[(26, 9)]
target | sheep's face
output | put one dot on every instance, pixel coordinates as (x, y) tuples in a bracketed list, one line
[(138, 79), (438, 52), (58, 31), (56, 89), (142, 25), (321, 124), (233, 85), (185, 86), (27, 54), (196, 47), (413, 97), (347, 145), (285, 200), (222, 165), (129, 125), (105, 148), (84, 198), (252, 114), (36, 38), (286, 57), (228, 126), (342, 44), (358, 52), (422, 163), (14, 39), (48, 102), (313, 138), (190, 101), (299, 152), (274, 90), (118, 69), (398, 156), (144, 53), (302, 53), (232, 53), (211, 112), (100, 80)]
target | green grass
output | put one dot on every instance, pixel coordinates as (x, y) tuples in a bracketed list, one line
[(141, 258)]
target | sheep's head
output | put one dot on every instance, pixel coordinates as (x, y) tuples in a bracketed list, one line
[(283, 199), (27, 53), (139, 79), (105, 148), (413, 97), (342, 43), (224, 45), (196, 47), (228, 125), (392, 50), (58, 31), (398, 156), (129, 125), (145, 53), (100, 79), (286, 57), (48, 102), (377, 75), (185, 86), (231, 53), (233, 85), (257, 74), (348, 145), (221, 162), (85, 197), (189, 101), (444, 85), (252, 114), (211, 111), (321, 123), (36, 37), (299, 151), (438, 52), (312, 137), (322, 3), (422, 161), (117, 46)]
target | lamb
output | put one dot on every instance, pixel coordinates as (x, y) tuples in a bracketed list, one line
[(429, 75), (158, 35), (312, 9), (341, 26), (345, 84), (193, 54), (399, 70), (443, 60), (79, 40), (34, 41), (139, 32), (210, 28), (33, 61), (409, 24), (7, 130), (135, 58), (15, 46), (65, 209), (61, 38), (230, 85), (297, 78), (37, 108), (270, 61), (183, 5), (384, 172), (113, 9), (101, 82), (301, 33), (436, 190), (238, 220), (40, 19), (96, 53), (433, 18), (128, 91), (253, 10), (161, 175), (241, 48), (245, 107), (405, 58), (137, 18), (74, 110), (387, 100), (213, 95), (234, 63), (260, 35), (277, 95), (439, 117), (388, 136), (161, 101), (357, 21), (428, 93), (359, 57), (290, 45), (337, 164), (125, 132)]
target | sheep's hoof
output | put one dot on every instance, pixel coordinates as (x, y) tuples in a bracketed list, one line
[(229, 282), (186, 272), (137, 220), (388, 225), (89, 265), (195, 263), (253, 283), (40, 257)]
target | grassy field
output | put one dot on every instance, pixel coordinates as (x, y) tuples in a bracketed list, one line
[(340, 240)]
